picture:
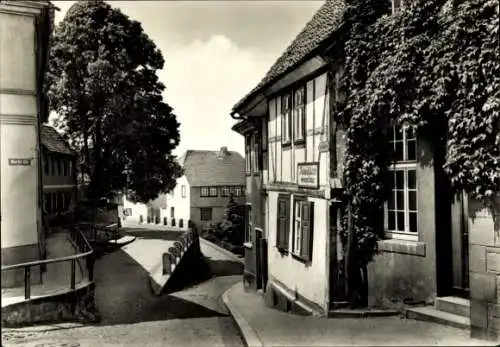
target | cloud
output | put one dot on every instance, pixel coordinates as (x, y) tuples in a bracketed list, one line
[(204, 80)]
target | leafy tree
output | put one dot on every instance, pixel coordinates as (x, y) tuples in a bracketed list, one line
[(103, 85), (436, 67)]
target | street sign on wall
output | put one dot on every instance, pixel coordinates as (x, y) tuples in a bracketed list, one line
[(20, 161), (308, 175)]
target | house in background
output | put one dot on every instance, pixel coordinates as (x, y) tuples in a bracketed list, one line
[(59, 173), (295, 151), (201, 195)]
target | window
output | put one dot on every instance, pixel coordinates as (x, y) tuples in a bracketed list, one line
[(59, 167), (257, 159), (206, 213), (299, 113), (46, 202), (127, 212), (401, 208), (208, 192), (248, 154), (397, 5), (70, 167), (238, 191), (283, 222), (183, 191), (65, 167), (172, 212), (264, 140), (53, 165), (225, 191), (286, 126), (46, 164), (303, 228), (249, 223)]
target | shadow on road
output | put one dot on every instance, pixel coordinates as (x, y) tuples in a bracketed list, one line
[(197, 270), (123, 295)]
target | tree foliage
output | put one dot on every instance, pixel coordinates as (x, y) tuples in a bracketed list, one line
[(434, 66), (102, 83)]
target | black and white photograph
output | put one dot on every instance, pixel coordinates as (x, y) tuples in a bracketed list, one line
[(250, 173)]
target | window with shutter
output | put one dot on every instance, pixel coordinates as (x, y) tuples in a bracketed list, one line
[(302, 228), (307, 231), (283, 222), (248, 224)]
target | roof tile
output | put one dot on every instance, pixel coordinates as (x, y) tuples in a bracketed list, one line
[(324, 23), (53, 141), (207, 168)]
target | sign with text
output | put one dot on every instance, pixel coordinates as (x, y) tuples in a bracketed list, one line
[(20, 161), (308, 175)]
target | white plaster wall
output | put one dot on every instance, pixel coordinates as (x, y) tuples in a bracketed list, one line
[(309, 281), (181, 205), (18, 136), (17, 51), (18, 186), (137, 210)]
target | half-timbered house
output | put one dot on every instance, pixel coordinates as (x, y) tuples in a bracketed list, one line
[(294, 158)]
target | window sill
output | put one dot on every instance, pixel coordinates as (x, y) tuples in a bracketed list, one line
[(248, 245), (287, 145), (402, 247), (300, 143), (301, 259), (282, 250)]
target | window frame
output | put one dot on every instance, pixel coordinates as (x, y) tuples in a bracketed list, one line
[(172, 212), (213, 192), (302, 247), (299, 135), (248, 154), (225, 191), (248, 222), (283, 236), (183, 191), (210, 212), (286, 119), (405, 166), (204, 195)]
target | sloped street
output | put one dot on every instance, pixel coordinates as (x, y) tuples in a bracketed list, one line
[(132, 316)]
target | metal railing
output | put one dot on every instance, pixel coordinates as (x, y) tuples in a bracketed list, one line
[(95, 233), (85, 252)]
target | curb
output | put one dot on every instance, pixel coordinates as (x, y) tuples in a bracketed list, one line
[(223, 250), (250, 337)]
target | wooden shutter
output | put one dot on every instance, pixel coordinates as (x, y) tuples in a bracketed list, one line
[(283, 222), (307, 230)]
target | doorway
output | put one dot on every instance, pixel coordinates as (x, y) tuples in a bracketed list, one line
[(460, 246)]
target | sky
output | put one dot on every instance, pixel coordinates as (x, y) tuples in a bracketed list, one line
[(215, 53)]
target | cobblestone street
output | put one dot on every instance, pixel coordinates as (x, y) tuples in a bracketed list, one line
[(132, 316)]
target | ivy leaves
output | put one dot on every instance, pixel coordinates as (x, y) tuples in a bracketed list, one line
[(435, 66)]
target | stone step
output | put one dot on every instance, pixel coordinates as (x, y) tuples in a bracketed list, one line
[(430, 314), (454, 305)]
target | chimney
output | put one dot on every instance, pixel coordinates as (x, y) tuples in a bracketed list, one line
[(223, 152)]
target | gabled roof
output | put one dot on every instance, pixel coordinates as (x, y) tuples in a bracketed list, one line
[(54, 142), (322, 25), (209, 168)]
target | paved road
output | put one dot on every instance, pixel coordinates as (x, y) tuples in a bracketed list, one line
[(132, 316)]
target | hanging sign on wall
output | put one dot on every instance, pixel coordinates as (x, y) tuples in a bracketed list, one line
[(308, 175)]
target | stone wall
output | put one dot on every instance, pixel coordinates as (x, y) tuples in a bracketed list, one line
[(78, 305), (484, 263)]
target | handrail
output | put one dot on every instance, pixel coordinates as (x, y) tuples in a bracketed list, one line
[(72, 258), (54, 260)]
